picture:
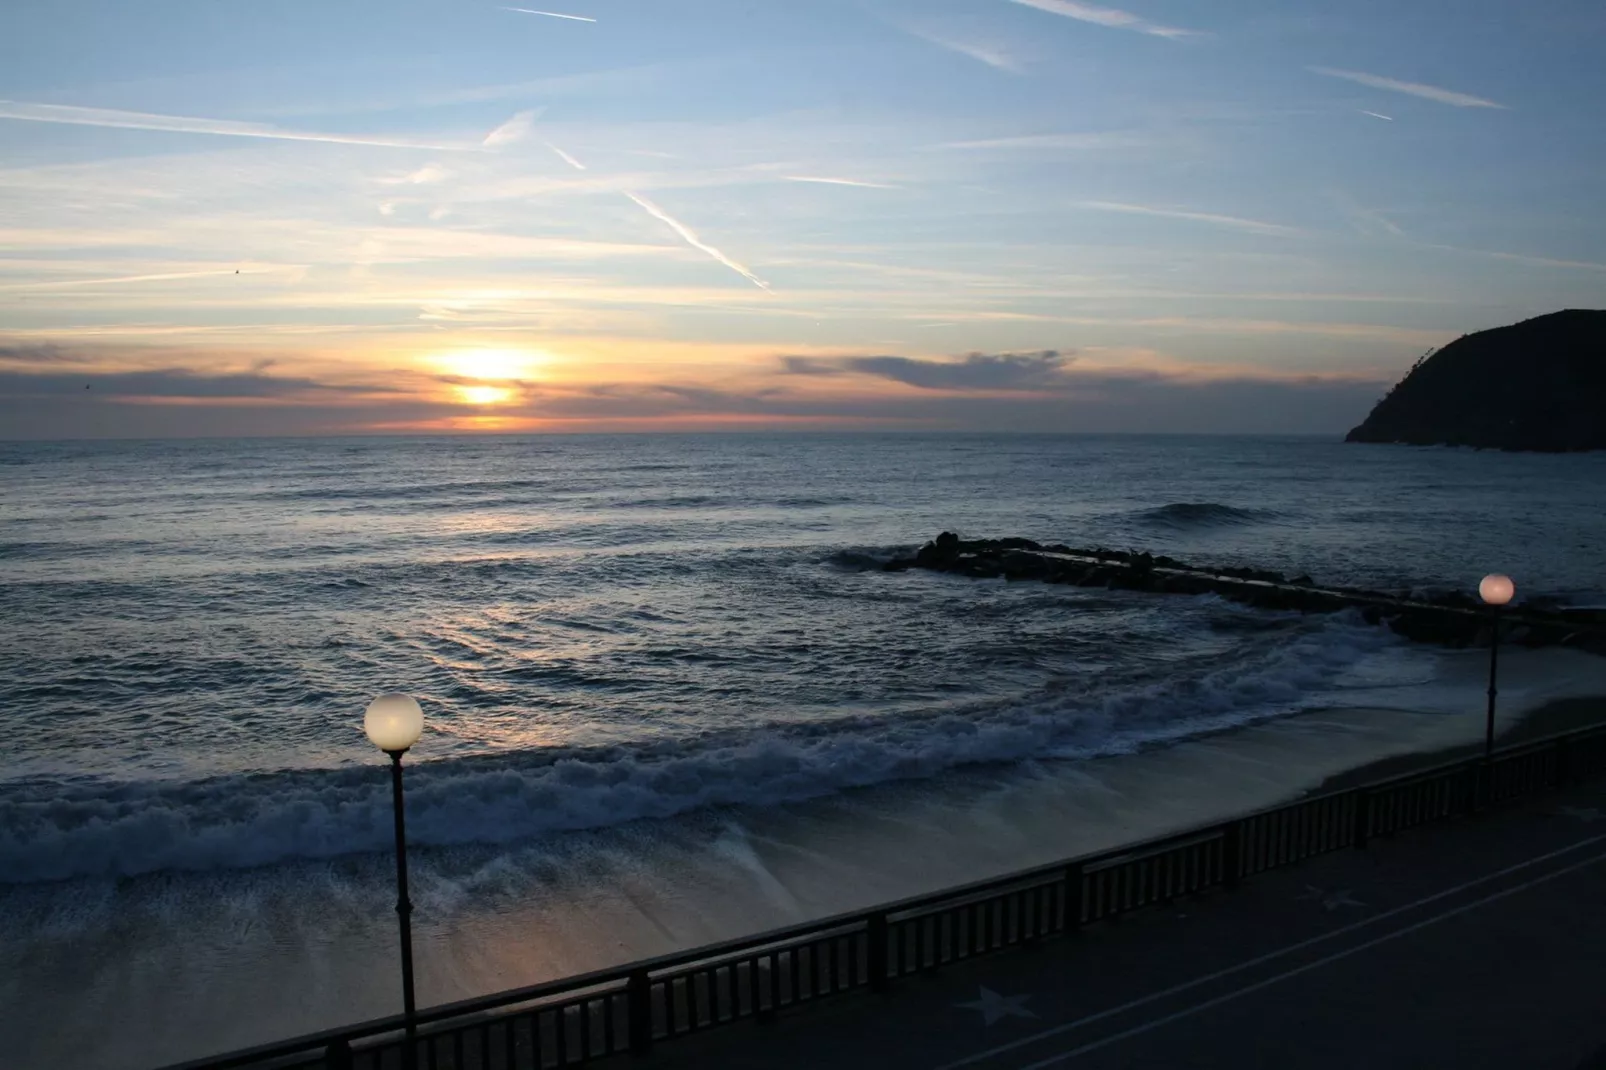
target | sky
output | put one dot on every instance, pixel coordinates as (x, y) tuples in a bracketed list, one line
[(221, 217)]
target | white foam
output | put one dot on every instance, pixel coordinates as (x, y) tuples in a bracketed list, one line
[(236, 821)]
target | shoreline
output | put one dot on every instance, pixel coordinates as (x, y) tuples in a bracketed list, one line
[(1552, 718)]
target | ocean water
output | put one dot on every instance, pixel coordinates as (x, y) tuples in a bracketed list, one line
[(627, 647)]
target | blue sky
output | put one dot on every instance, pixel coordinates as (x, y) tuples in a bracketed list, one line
[(968, 214)]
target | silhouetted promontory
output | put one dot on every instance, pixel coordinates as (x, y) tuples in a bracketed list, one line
[(1536, 385)]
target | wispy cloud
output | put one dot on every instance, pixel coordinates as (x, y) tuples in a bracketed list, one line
[(429, 173), (1524, 258), (1377, 115), (513, 131), (839, 181), (1253, 226), (1093, 140), (1367, 220), (1108, 16), (550, 14), (165, 276), (72, 115), (1415, 89), (690, 237), (994, 55)]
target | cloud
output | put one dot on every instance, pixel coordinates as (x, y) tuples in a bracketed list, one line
[(690, 237), (1523, 258), (1253, 226), (1108, 16), (184, 124), (171, 384), (513, 131), (34, 353), (977, 371), (1415, 89), (550, 14), (1050, 141), (839, 181), (423, 176), (995, 56), (1377, 115)]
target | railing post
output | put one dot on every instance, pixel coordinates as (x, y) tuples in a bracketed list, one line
[(1074, 882), (1232, 854), (638, 1001), (876, 953), (1561, 761), (1363, 818), (337, 1056)]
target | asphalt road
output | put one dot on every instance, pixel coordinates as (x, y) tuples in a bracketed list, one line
[(1478, 943)]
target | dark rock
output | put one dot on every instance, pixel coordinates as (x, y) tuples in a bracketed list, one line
[(1536, 385)]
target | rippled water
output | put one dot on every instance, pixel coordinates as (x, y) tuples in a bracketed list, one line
[(605, 628), (620, 643)]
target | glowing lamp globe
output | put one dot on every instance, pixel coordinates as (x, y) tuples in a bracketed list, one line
[(394, 722), (1496, 589)]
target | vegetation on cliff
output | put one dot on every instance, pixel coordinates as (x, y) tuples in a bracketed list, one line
[(1536, 385)]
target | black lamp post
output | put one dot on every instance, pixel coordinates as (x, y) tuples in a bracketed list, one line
[(394, 722), (1495, 590)]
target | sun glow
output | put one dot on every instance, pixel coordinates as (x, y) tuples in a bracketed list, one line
[(491, 364), (484, 395)]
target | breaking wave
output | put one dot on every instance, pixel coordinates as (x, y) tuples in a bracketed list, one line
[(53, 831)]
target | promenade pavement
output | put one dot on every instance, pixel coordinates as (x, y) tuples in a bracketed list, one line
[(1479, 942)]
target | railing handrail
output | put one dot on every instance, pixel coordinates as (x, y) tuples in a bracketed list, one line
[(616, 977)]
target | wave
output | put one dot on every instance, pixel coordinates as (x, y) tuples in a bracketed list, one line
[(1194, 515), (865, 558), (51, 831)]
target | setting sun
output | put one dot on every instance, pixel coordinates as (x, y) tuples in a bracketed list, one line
[(484, 395)]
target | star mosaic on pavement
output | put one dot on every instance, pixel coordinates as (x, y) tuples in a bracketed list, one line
[(1330, 900), (992, 1006)]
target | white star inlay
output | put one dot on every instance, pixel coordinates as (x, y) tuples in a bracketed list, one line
[(992, 1006)]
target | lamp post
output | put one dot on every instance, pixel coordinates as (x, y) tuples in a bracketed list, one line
[(1495, 590), (394, 722)]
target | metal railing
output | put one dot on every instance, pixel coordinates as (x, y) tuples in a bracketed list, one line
[(630, 1008)]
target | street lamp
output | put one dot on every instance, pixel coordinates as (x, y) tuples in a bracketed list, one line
[(1495, 590), (394, 722)]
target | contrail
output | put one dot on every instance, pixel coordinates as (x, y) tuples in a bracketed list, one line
[(1375, 115), (566, 158), (839, 181), (694, 241), (1415, 89), (1108, 16), (686, 233), (549, 14), (163, 277), (73, 115)]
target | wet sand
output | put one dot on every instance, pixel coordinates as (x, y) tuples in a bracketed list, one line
[(178, 965), (1560, 715)]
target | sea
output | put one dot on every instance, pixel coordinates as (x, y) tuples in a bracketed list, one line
[(670, 694)]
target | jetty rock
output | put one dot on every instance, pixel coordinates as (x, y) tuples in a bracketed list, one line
[(1538, 385), (1450, 618)]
